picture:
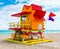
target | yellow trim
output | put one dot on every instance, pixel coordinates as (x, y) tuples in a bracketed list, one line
[(30, 42), (32, 30)]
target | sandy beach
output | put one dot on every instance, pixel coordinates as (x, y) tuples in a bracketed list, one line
[(52, 45)]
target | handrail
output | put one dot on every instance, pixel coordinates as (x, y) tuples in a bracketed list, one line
[(17, 25), (13, 24)]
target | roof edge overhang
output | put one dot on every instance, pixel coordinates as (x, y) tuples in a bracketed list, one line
[(21, 13)]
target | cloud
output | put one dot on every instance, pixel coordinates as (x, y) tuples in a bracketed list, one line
[(23, 1), (53, 9), (5, 16), (51, 3), (3, 25), (48, 5)]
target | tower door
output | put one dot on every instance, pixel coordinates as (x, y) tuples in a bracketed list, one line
[(24, 23), (39, 26)]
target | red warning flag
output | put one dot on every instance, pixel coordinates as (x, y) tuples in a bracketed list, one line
[(52, 14)]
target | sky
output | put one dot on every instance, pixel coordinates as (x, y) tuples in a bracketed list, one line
[(9, 7)]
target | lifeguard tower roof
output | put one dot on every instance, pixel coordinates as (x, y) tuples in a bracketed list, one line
[(34, 7)]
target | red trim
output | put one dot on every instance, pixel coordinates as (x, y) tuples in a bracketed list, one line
[(25, 6), (21, 13), (14, 28), (26, 33), (36, 7)]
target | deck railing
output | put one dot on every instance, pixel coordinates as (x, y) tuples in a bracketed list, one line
[(14, 25), (24, 24)]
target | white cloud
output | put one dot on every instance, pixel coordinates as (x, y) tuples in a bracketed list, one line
[(5, 13), (23, 1), (3, 25), (47, 3), (52, 3)]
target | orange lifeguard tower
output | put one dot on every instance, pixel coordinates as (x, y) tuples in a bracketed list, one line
[(31, 18), (31, 23)]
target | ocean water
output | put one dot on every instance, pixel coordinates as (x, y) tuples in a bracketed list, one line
[(11, 31), (6, 31)]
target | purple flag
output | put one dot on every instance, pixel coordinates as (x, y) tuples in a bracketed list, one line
[(50, 18)]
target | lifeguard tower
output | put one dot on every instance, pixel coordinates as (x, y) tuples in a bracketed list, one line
[(31, 25)]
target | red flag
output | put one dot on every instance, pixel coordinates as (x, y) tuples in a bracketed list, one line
[(51, 14)]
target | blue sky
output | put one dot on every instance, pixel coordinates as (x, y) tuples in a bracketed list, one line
[(8, 7)]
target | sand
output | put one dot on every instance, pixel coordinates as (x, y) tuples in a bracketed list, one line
[(52, 45)]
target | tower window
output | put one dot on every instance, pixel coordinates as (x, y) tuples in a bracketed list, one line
[(24, 18)]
